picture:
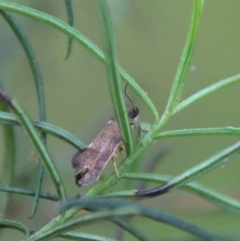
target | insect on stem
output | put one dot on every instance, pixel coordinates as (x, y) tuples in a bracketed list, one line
[(90, 162)]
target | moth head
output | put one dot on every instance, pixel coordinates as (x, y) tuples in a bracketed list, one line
[(133, 113)]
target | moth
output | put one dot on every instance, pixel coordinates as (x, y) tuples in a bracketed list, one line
[(90, 162)]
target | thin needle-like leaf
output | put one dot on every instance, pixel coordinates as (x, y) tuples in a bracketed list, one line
[(37, 143), (200, 94), (9, 160), (183, 68), (27, 192), (114, 76), (39, 88), (194, 172), (193, 187), (6, 223), (31, 59), (9, 119), (84, 237), (125, 225), (128, 227), (228, 130), (68, 4)]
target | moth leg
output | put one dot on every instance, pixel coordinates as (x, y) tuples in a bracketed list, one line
[(99, 177), (115, 167)]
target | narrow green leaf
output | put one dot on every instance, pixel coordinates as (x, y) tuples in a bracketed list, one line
[(68, 4), (80, 38), (39, 88), (213, 162), (84, 219), (228, 130), (6, 223), (128, 227), (9, 119), (31, 59), (125, 225), (85, 237), (114, 76), (183, 68), (138, 209), (38, 189), (121, 194), (40, 149), (27, 192), (200, 94), (193, 187), (193, 173), (37, 143), (9, 160)]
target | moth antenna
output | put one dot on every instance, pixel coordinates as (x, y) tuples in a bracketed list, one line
[(133, 113), (125, 91)]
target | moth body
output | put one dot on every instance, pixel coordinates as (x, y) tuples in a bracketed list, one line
[(90, 162)]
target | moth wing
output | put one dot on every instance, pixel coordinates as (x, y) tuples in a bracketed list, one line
[(107, 153), (84, 162), (90, 162)]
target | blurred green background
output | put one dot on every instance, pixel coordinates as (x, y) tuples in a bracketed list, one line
[(150, 38)]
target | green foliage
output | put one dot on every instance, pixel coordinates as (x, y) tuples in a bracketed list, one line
[(101, 203)]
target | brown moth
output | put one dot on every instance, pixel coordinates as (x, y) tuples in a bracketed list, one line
[(90, 162)]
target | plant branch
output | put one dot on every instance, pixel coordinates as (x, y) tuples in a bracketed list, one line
[(183, 68), (228, 130)]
